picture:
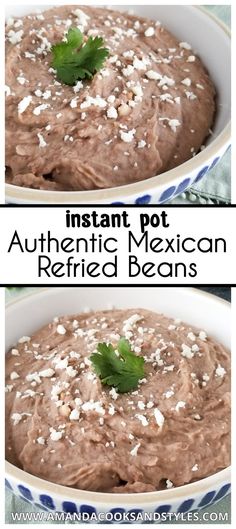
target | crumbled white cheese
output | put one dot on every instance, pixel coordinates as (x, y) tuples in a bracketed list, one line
[(16, 417), (111, 410), (33, 377), (191, 336), (179, 405), (71, 372), (128, 324), (105, 72), (29, 55), (24, 103), (142, 419), (54, 435), (73, 103), (139, 64), (28, 393), (111, 99), (47, 373), (40, 440), (74, 415), (112, 113), (93, 406), (137, 91), (61, 363), (134, 450), (42, 142), (37, 110), (61, 329), (47, 94), (7, 90), (185, 45), (24, 339), (190, 95), (191, 58), (141, 405), (14, 375), (96, 101), (128, 136), (187, 351), (165, 80), (177, 100), (149, 32), (159, 417), (220, 371), (15, 36), (10, 21), (21, 80), (169, 484), (186, 81), (78, 87), (168, 394), (195, 468), (18, 23), (128, 70), (81, 16), (155, 76), (128, 54), (166, 97), (202, 335), (9, 388), (173, 124), (141, 144), (114, 394)]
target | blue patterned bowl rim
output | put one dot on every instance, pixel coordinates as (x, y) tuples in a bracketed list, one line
[(18, 476)]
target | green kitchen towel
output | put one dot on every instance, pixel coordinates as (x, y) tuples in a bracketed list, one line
[(215, 188)]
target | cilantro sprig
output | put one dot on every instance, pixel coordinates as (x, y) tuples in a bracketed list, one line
[(76, 59), (122, 371)]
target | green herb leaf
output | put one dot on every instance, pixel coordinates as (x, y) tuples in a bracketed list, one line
[(75, 59), (121, 371)]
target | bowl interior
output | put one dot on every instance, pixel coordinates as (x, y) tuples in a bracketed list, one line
[(26, 315)]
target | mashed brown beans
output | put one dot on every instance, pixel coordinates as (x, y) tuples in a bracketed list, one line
[(64, 426), (148, 110)]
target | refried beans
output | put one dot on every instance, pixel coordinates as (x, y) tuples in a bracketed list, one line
[(65, 426), (148, 110)]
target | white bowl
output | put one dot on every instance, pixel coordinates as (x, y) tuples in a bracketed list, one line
[(27, 314), (211, 40)]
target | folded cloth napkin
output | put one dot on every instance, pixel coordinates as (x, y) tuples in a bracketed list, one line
[(215, 187)]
